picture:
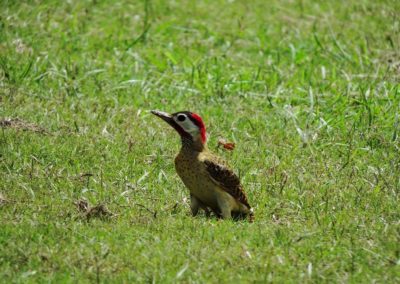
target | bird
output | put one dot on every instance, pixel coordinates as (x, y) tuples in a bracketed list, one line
[(213, 186)]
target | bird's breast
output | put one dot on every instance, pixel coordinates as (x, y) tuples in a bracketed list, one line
[(193, 174)]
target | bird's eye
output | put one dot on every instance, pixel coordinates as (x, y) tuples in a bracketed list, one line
[(181, 117)]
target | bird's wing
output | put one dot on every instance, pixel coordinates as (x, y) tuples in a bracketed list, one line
[(227, 180)]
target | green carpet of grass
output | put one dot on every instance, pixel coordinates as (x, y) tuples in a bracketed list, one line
[(308, 90)]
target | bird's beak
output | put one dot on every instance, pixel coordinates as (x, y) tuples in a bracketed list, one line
[(164, 116)]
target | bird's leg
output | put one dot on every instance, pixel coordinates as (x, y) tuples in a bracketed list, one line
[(194, 205), (225, 208), (206, 210), (216, 213)]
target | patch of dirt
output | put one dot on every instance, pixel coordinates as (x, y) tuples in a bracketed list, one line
[(392, 60), (84, 177), (3, 200), (99, 211), (20, 124), (82, 205)]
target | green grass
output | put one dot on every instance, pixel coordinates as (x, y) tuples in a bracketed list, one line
[(308, 90)]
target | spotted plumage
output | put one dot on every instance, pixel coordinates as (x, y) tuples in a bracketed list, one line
[(212, 184)]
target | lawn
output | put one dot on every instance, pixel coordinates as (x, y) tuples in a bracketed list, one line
[(308, 91)]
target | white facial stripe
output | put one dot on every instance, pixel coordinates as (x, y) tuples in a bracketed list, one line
[(187, 125)]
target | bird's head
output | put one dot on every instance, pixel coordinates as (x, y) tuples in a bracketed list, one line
[(189, 125)]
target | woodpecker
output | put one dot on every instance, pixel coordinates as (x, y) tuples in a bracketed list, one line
[(212, 184)]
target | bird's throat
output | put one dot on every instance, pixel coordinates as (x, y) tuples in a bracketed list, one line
[(188, 144)]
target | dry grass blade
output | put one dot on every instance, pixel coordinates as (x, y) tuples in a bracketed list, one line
[(19, 124)]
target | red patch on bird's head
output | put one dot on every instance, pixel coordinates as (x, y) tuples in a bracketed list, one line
[(200, 124)]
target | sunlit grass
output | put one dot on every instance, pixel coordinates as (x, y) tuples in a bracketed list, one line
[(308, 91)]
